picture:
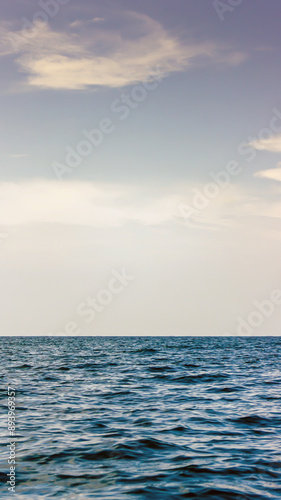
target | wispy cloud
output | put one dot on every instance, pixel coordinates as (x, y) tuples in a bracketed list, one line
[(80, 203), (106, 205), (98, 19), (15, 156), (272, 144), (272, 173), (85, 56)]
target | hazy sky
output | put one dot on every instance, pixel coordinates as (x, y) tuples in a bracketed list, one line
[(140, 171)]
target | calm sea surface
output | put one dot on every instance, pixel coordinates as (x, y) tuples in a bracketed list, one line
[(144, 417)]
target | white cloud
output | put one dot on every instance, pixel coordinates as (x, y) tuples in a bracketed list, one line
[(76, 23), (107, 57), (15, 156), (6, 47), (85, 204), (80, 22), (98, 19), (272, 173), (106, 205), (272, 144)]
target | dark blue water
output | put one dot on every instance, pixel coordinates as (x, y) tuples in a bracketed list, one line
[(144, 418)]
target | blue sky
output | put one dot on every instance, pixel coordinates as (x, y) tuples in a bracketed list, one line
[(171, 93)]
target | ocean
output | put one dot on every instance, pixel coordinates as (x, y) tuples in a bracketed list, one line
[(126, 418)]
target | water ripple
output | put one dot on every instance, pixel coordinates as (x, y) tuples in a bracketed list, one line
[(145, 418)]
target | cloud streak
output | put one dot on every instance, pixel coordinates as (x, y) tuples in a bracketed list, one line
[(272, 144), (272, 173), (81, 203), (15, 156), (106, 205)]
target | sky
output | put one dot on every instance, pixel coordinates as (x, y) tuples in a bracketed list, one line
[(140, 167)]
